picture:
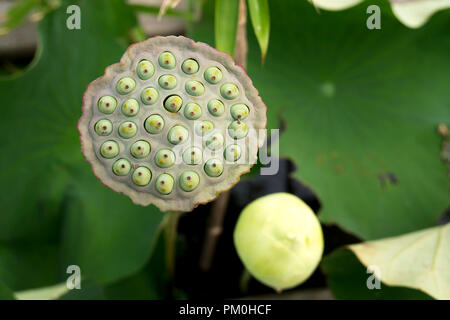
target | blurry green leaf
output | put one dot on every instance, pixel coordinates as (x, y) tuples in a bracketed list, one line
[(17, 14), (361, 110), (155, 11), (46, 293), (259, 14), (6, 293), (225, 25)]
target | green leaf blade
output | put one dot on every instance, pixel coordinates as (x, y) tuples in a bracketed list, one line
[(260, 17), (225, 25)]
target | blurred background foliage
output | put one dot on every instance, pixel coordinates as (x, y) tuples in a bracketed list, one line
[(359, 111)]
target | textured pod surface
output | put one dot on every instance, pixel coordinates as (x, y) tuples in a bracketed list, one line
[(279, 240), (159, 94)]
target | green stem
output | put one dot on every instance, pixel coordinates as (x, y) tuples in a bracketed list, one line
[(170, 236)]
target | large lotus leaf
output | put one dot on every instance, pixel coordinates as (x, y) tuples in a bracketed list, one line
[(361, 109)]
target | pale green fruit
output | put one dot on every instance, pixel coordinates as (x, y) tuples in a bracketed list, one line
[(279, 240)]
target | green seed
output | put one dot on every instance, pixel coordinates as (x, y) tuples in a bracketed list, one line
[(164, 183), (229, 91), (167, 81), (154, 124), (237, 129), (194, 88), (192, 155), (109, 149), (190, 66), (204, 127), (103, 127), (149, 95), (177, 134), (167, 60), (107, 104), (173, 103), (239, 111), (232, 152), (189, 180), (121, 167), (142, 176), (164, 158), (127, 129), (216, 107), (140, 149), (215, 141), (213, 75), (130, 107), (125, 85), (192, 111), (145, 69), (213, 167)]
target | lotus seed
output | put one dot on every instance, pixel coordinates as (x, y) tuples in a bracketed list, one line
[(103, 127), (237, 129), (192, 111), (142, 176), (177, 134), (109, 149), (164, 158), (149, 95), (154, 124), (127, 129), (213, 75), (232, 152), (173, 103), (145, 69), (204, 127), (215, 141), (121, 167), (214, 167), (229, 91), (216, 107), (125, 85), (189, 180), (140, 149), (194, 88), (167, 81), (239, 111), (107, 104), (192, 155), (189, 66), (164, 183), (167, 60), (130, 107)]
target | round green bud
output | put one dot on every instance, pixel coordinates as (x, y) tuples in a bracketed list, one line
[(109, 149), (177, 134), (229, 91), (215, 141), (164, 183), (167, 81), (239, 111), (194, 88), (192, 155), (130, 107), (140, 149), (154, 124), (127, 129), (173, 103), (213, 167), (167, 60), (107, 104), (125, 85), (164, 158), (103, 127), (141, 176), (216, 107), (232, 152), (121, 167), (204, 127), (149, 95), (145, 69), (189, 180), (190, 66), (237, 129), (192, 111), (279, 240), (213, 75)]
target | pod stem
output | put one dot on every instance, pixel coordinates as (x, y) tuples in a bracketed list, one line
[(170, 237)]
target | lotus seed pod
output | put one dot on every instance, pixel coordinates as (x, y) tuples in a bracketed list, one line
[(279, 240), (181, 123)]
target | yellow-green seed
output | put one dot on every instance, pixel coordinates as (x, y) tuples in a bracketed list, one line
[(164, 158), (107, 104), (239, 111), (142, 176), (190, 66), (229, 91), (215, 141), (213, 167), (194, 88), (216, 107), (204, 127), (232, 152), (189, 180), (140, 149), (178, 134), (167, 60), (149, 95), (145, 69), (103, 127), (237, 129), (109, 149), (173, 103), (164, 183), (121, 167), (213, 75), (192, 111), (167, 81), (127, 129), (192, 156), (154, 124), (130, 107), (125, 85)]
